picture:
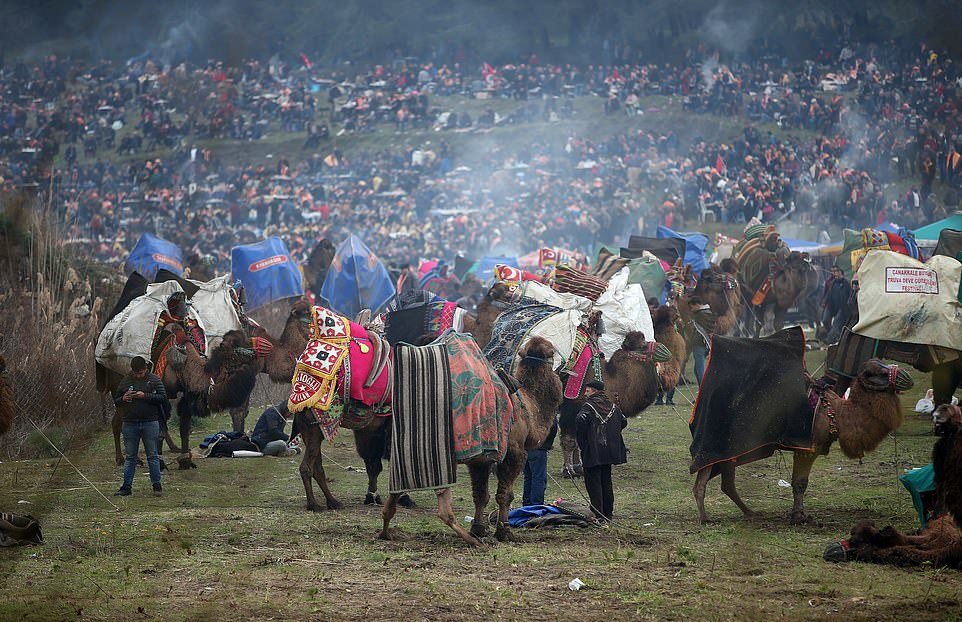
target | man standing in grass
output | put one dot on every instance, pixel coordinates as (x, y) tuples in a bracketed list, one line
[(139, 398)]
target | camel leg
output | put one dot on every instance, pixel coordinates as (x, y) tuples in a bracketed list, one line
[(701, 484), (446, 514), (508, 471), (945, 379), (387, 513), (116, 424), (801, 467), (184, 413), (727, 470), (239, 414), (370, 447), (311, 435), (170, 443), (778, 318), (480, 472), (321, 478)]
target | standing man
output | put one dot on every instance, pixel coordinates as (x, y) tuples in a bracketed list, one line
[(140, 397), (600, 423), (700, 327), (536, 470)]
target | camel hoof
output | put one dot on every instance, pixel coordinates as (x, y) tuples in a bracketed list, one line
[(315, 507), (405, 501), (334, 504), (707, 521), (800, 518), (503, 534), (184, 463), (385, 534), (119, 460), (751, 516), (372, 499), (479, 530)]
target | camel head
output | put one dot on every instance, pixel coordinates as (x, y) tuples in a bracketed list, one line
[(536, 353), (877, 376), (499, 295), (713, 287), (665, 317), (300, 311), (635, 342)]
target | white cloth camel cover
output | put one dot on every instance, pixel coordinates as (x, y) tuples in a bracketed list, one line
[(902, 299)]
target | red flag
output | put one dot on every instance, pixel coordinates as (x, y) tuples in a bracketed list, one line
[(719, 164), (307, 62)]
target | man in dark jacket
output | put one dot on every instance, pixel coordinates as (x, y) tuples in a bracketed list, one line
[(600, 423), (140, 397), (835, 304), (269, 434)]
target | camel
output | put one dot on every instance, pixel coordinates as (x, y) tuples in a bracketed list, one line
[(667, 322), (315, 270), (536, 403), (490, 307), (717, 287), (7, 407), (630, 377), (858, 423), (232, 361), (787, 284), (940, 543)]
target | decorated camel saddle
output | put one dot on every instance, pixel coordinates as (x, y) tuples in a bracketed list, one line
[(761, 257), (342, 367), (416, 314)]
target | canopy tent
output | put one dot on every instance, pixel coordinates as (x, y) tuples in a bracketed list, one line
[(356, 280), (151, 254), (932, 231), (267, 272), (695, 244)]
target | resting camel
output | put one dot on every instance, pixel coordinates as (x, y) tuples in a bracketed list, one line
[(7, 407), (536, 403), (940, 543), (859, 424)]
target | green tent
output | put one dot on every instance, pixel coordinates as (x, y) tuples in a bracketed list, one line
[(932, 231)]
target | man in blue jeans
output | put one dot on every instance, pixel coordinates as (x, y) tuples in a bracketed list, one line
[(536, 471), (139, 398)]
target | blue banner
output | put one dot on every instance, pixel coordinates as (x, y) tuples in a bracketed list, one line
[(356, 280), (267, 272), (484, 269), (151, 254)]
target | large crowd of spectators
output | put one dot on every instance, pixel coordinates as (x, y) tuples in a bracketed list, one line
[(822, 141)]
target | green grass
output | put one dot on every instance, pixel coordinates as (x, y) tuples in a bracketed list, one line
[(232, 539)]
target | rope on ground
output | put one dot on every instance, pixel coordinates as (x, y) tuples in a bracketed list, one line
[(57, 449)]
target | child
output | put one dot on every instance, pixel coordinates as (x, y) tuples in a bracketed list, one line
[(599, 426)]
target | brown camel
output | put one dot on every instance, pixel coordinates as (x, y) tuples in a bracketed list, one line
[(859, 424), (666, 321), (232, 362), (630, 376), (315, 270), (940, 543), (7, 407), (536, 403), (490, 307), (717, 287), (787, 286)]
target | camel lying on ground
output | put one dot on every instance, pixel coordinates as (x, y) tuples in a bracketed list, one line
[(940, 543), (858, 423)]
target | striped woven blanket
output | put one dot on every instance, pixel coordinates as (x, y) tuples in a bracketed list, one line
[(577, 282), (450, 406), (422, 438)]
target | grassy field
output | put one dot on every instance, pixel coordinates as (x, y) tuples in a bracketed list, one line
[(232, 540)]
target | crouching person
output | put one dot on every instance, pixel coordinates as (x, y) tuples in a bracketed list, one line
[(599, 426), (269, 434), (140, 398)]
